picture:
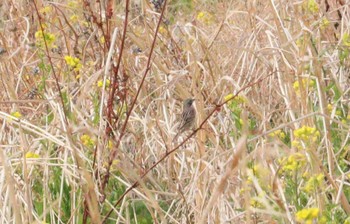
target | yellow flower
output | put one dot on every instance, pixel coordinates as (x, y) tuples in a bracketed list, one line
[(31, 155), (300, 42), (45, 10), (305, 133), (85, 24), (346, 39), (200, 15), (347, 221), (205, 17), (16, 114), (73, 63), (42, 37), (329, 108), (102, 40), (228, 97), (311, 6), (115, 163), (237, 99), (261, 174), (87, 141), (110, 144), (282, 135), (108, 83), (74, 18), (323, 220), (324, 23), (306, 175), (296, 144), (306, 83), (240, 99), (100, 83), (278, 133), (293, 162), (256, 204), (307, 215), (162, 30), (73, 4), (296, 85), (313, 183)]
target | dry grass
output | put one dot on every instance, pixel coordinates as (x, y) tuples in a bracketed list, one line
[(90, 97)]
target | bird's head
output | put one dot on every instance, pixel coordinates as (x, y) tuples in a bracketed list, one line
[(188, 102)]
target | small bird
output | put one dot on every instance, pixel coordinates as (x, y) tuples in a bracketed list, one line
[(187, 118)]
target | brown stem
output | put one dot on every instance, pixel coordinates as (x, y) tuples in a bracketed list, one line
[(111, 97)]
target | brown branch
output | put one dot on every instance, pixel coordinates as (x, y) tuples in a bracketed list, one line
[(115, 81), (110, 102)]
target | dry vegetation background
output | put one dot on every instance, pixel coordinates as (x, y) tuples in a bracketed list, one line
[(91, 91)]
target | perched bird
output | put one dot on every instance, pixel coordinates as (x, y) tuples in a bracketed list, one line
[(188, 117)]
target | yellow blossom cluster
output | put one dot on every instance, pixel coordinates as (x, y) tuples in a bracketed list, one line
[(278, 133), (205, 17), (261, 174), (347, 221), (293, 162), (300, 42), (306, 134), (100, 83), (162, 30), (324, 23), (73, 4), (42, 37), (311, 6), (346, 39), (305, 83), (102, 40), (330, 109), (307, 215), (256, 204), (73, 62), (313, 183), (16, 114), (46, 10), (87, 140), (110, 144), (32, 155), (237, 99), (74, 18)]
